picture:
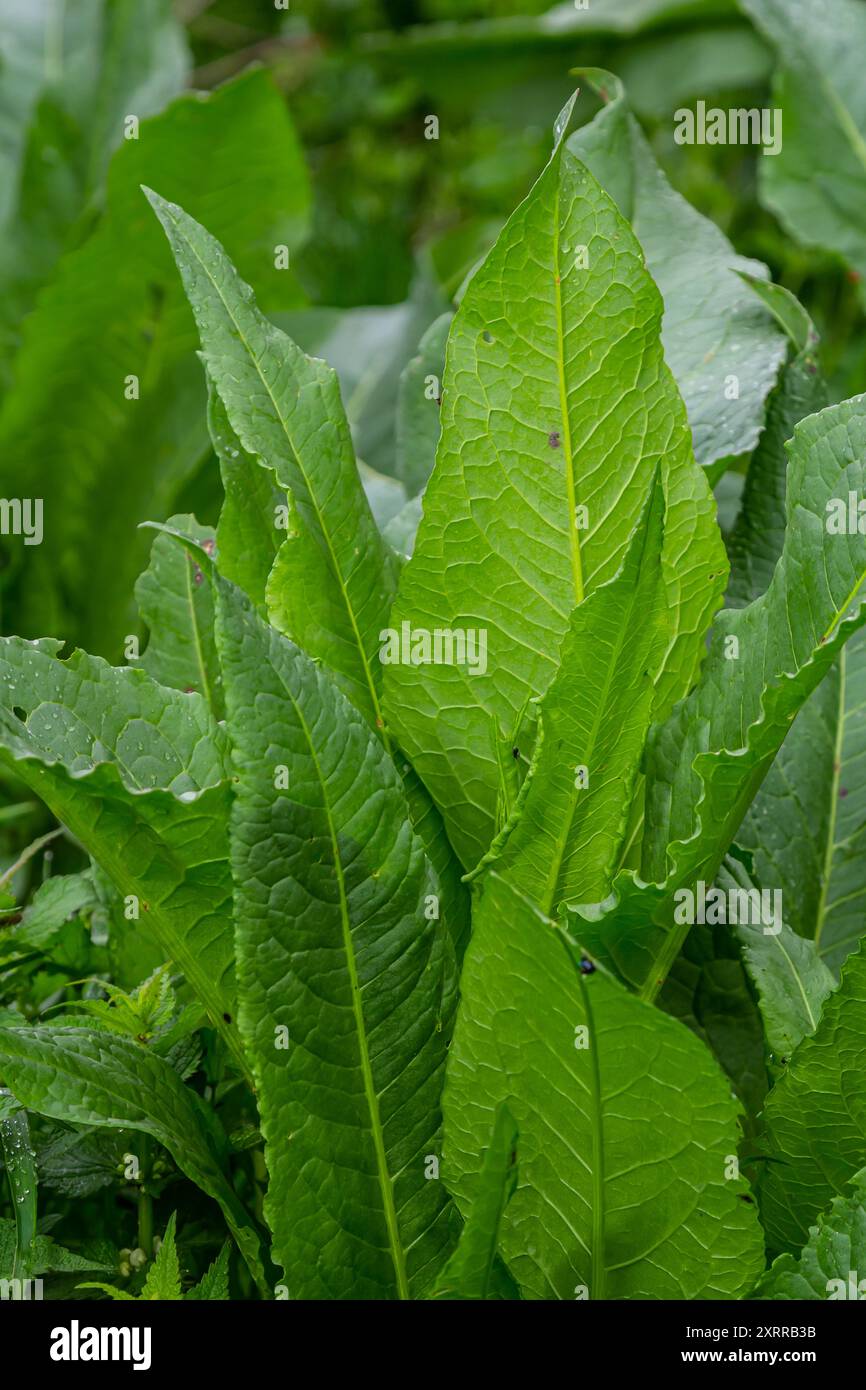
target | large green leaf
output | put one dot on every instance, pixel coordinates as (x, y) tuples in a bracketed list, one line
[(706, 762), (469, 1270), (831, 1262), (114, 310), (556, 397), (93, 1078), (564, 836), (285, 409), (806, 828), (626, 1124), (817, 183), (176, 604), (139, 774), (721, 344), (344, 975), (789, 976), (815, 1117)]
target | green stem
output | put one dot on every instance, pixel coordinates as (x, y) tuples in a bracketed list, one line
[(28, 854)]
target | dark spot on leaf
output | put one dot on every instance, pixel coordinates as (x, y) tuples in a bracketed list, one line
[(515, 752), (487, 336), (20, 713), (209, 547), (197, 575), (586, 966), (227, 1018), (553, 439), (744, 1197), (843, 791)]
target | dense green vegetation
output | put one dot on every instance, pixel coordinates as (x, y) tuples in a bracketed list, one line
[(432, 689)]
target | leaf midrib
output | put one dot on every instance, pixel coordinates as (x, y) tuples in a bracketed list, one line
[(196, 635), (398, 1257), (573, 540), (830, 846)]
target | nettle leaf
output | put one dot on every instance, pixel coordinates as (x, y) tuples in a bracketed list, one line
[(139, 775), (344, 975), (815, 1117), (163, 1277), (817, 182), (469, 1270), (565, 834), (418, 405), (111, 323), (626, 1124), (721, 344), (790, 978), (829, 1265), (78, 1163), (93, 1078), (51, 907), (705, 764), (48, 1257), (557, 411), (176, 604), (214, 1283), (285, 407)]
